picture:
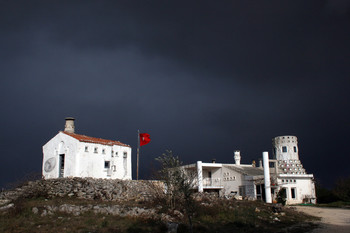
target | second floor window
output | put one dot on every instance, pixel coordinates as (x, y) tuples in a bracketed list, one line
[(284, 149)]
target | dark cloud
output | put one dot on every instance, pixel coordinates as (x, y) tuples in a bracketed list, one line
[(202, 78)]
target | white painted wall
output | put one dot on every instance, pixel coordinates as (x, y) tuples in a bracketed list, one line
[(231, 180), (82, 163), (285, 141), (304, 187)]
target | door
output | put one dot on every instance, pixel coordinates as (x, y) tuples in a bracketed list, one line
[(210, 181), (61, 166)]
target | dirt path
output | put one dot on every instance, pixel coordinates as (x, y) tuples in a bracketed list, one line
[(332, 219)]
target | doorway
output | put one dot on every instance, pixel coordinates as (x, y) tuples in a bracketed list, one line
[(61, 165)]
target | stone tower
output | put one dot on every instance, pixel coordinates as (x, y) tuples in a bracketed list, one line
[(286, 152)]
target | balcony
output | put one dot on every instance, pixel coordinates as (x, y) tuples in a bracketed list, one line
[(212, 183)]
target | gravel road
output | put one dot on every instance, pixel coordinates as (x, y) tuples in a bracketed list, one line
[(332, 219)]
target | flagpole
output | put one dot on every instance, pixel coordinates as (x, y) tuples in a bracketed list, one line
[(138, 153)]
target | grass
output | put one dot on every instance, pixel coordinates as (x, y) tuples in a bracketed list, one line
[(337, 204), (246, 216), (215, 216)]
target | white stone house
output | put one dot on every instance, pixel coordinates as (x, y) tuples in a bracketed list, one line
[(73, 155), (285, 172), (228, 179)]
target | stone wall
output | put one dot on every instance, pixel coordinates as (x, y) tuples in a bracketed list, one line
[(84, 188)]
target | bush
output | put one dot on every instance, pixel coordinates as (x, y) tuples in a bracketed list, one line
[(342, 189)]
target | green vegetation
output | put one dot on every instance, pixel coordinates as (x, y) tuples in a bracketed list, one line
[(179, 193), (339, 196)]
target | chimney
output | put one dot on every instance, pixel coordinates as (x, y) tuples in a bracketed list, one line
[(260, 163), (69, 126), (237, 157), (253, 163), (213, 160)]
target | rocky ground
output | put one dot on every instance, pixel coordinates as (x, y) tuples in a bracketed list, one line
[(88, 205)]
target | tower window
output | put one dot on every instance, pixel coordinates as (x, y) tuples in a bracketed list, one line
[(295, 149), (284, 149), (125, 154), (95, 150), (103, 151), (86, 149)]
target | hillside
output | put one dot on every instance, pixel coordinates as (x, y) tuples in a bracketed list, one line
[(65, 205)]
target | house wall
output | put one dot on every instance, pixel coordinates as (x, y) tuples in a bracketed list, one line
[(60, 144), (231, 181), (304, 188), (80, 162), (92, 161)]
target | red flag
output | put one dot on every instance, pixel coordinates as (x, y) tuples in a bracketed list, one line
[(144, 139)]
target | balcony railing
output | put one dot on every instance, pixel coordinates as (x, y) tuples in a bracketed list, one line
[(213, 182)]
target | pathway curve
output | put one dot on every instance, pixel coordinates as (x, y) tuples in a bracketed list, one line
[(334, 220)]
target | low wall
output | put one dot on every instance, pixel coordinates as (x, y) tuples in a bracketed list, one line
[(85, 188)]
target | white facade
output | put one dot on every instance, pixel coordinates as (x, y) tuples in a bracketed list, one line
[(227, 179), (74, 155), (246, 180)]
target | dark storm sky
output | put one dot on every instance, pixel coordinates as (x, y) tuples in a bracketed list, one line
[(204, 78)]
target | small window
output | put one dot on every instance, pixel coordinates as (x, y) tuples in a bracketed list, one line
[(125, 155), (86, 149), (284, 149), (112, 153), (103, 151), (107, 164), (95, 150), (116, 154), (295, 149)]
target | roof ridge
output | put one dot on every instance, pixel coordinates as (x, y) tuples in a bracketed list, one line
[(89, 139)]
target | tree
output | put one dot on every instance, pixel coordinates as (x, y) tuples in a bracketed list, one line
[(281, 196), (342, 189), (179, 185)]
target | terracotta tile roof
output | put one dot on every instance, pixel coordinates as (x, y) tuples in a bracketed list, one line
[(83, 138)]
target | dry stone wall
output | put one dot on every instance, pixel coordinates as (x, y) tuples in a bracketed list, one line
[(84, 188)]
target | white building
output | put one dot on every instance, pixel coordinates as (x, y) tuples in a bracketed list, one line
[(285, 172), (288, 173), (73, 155)]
